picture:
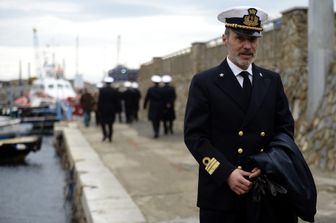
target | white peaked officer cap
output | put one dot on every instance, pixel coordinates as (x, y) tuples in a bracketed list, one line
[(246, 20), (156, 79), (127, 84), (99, 85), (108, 80), (135, 85), (166, 78)]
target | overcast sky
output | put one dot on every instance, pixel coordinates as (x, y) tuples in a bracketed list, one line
[(147, 29)]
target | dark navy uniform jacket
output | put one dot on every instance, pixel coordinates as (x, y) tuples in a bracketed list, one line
[(169, 97), (221, 135), (155, 99), (108, 103)]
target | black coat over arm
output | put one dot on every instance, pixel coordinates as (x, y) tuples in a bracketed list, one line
[(284, 162)]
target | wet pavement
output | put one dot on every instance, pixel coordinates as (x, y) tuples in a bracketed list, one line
[(33, 192), (160, 175)]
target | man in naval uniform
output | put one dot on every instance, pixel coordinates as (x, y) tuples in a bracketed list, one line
[(108, 100), (233, 111), (169, 97), (154, 98)]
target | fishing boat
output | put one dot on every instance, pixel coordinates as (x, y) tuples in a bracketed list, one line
[(49, 98), (41, 118), (15, 150), (46, 91), (50, 101), (7, 121), (16, 141), (13, 127)]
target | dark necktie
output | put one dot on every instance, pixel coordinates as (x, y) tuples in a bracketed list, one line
[(247, 89)]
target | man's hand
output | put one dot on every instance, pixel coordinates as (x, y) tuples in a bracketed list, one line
[(255, 173), (238, 180)]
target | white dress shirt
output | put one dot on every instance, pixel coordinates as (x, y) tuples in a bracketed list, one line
[(237, 70)]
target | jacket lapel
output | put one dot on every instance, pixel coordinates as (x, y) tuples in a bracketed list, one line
[(228, 83), (259, 89)]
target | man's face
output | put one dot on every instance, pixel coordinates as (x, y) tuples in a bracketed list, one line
[(242, 49)]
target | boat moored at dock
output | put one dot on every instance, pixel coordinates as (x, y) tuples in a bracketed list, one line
[(15, 150)]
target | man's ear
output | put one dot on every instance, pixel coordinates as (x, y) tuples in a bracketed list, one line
[(225, 39)]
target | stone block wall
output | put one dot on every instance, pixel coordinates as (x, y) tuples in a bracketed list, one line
[(318, 138), (283, 49)]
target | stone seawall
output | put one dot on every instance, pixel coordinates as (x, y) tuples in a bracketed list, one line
[(96, 194), (283, 48)]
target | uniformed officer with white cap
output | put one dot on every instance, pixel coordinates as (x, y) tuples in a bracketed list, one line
[(233, 110), (136, 100), (169, 96), (107, 105), (154, 99), (128, 102), (99, 85)]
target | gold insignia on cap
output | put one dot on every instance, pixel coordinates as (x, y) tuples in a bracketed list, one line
[(210, 164), (251, 19)]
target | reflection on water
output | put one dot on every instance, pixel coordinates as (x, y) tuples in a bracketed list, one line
[(33, 192)]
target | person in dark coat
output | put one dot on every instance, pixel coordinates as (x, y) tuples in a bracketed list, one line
[(169, 97), (120, 104), (136, 100), (128, 98), (107, 105), (95, 108), (155, 100), (87, 102), (233, 111)]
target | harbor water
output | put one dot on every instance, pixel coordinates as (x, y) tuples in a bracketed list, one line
[(34, 192)]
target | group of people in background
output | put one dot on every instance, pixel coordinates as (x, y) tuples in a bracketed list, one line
[(114, 102), (161, 101), (109, 103)]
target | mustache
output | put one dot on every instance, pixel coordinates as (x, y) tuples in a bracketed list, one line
[(247, 52)]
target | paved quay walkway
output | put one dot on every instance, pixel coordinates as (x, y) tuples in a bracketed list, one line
[(160, 175)]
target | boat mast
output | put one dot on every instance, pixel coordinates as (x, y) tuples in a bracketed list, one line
[(37, 55), (77, 46), (20, 79), (118, 49), (78, 81)]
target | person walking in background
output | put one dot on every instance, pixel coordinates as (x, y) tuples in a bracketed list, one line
[(233, 111), (128, 102), (87, 102), (120, 104), (68, 108), (107, 105), (155, 100), (136, 100), (95, 107), (169, 97)]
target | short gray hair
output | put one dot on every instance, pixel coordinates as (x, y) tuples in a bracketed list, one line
[(227, 31)]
